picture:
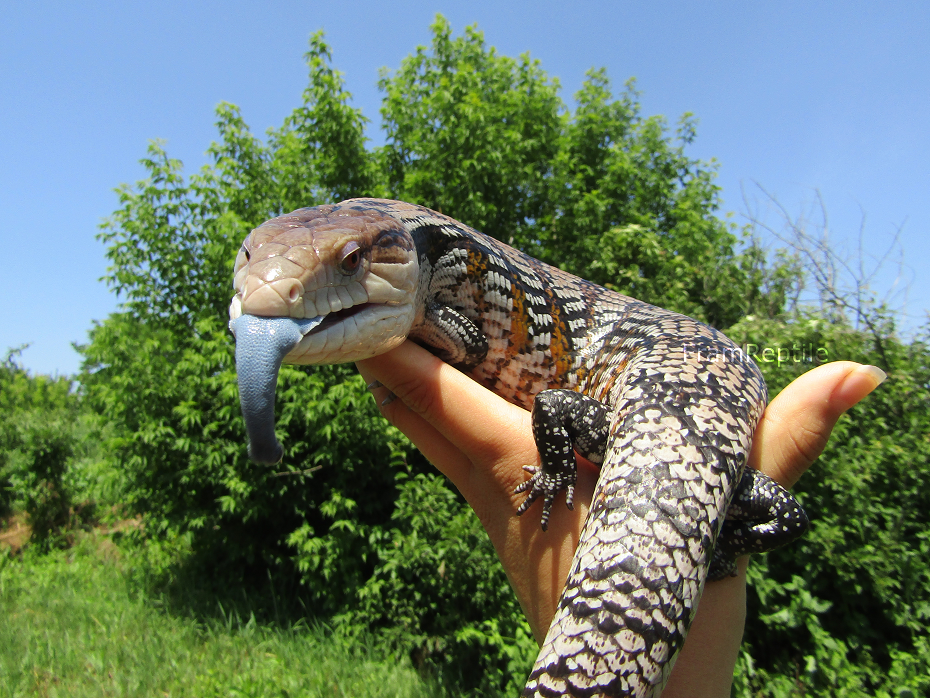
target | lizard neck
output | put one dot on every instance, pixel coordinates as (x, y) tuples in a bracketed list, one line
[(538, 320)]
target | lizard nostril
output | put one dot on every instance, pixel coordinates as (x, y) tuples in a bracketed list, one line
[(293, 294)]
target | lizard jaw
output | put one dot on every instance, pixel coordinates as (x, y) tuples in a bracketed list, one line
[(264, 343), (351, 333)]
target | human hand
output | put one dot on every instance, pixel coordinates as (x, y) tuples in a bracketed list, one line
[(481, 443)]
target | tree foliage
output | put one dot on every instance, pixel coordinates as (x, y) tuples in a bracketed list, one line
[(470, 133), (374, 538)]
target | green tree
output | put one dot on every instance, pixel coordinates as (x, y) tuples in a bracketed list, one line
[(604, 193), (162, 368), (470, 133), (629, 210)]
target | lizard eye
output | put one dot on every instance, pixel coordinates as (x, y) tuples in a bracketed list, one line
[(242, 258), (351, 258)]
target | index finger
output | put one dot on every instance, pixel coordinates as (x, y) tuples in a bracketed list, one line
[(454, 421)]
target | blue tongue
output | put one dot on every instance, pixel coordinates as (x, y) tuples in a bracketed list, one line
[(261, 345)]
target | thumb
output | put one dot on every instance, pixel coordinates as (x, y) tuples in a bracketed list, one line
[(797, 423)]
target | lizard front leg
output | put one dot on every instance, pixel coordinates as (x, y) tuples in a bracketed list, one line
[(451, 336), (564, 422)]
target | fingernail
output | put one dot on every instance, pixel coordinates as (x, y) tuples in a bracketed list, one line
[(875, 373)]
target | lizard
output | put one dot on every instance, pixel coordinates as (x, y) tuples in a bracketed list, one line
[(664, 404)]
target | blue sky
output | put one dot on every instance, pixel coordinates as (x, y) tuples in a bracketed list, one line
[(797, 96)]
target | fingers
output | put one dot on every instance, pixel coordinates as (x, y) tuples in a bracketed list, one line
[(454, 421), (798, 422), (481, 443)]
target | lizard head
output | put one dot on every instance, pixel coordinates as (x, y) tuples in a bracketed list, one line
[(330, 284)]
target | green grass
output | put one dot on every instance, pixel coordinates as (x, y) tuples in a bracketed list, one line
[(75, 623)]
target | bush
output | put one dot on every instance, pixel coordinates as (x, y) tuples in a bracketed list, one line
[(38, 438)]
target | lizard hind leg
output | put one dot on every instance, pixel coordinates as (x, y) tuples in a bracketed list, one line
[(564, 422), (762, 516)]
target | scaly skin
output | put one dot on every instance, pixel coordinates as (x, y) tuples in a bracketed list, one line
[(670, 407)]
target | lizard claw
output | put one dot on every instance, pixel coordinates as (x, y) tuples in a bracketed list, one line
[(374, 385), (547, 486)]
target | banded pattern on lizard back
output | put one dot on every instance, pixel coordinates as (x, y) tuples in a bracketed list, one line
[(667, 404)]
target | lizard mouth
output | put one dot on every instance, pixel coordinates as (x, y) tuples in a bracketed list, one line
[(338, 316), (262, 344)]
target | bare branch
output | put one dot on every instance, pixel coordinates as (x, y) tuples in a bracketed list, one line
[(844, 285)]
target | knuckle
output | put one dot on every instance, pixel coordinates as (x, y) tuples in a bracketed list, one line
[(417, 395)]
